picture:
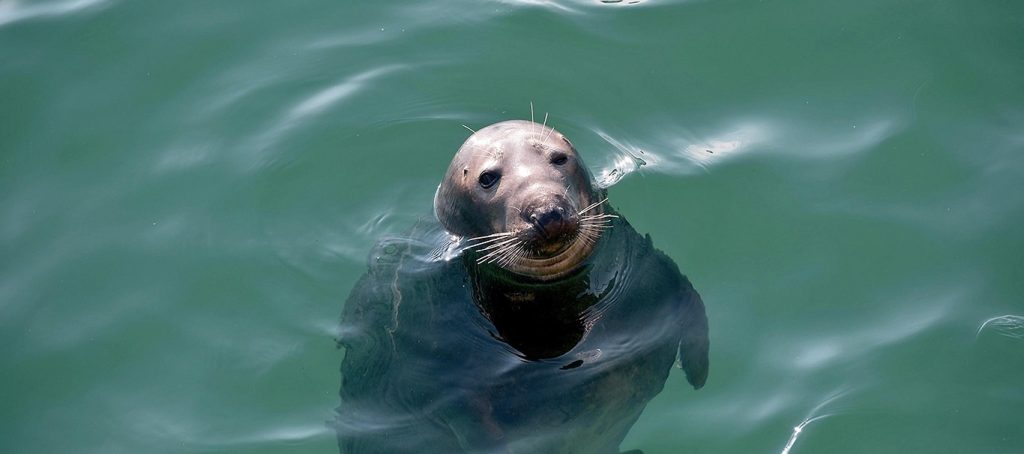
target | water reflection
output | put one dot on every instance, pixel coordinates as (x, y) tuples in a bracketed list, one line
[(12, 11), (1011, 326), (811, 417), (678, 151)]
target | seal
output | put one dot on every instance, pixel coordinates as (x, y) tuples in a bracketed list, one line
[(549, 331)]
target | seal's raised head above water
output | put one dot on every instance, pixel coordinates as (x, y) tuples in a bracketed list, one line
[(520, 189)]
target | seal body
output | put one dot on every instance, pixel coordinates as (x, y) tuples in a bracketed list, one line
[(473, 354)]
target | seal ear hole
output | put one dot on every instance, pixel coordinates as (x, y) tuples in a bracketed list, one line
[(559, 159), (489, 179)]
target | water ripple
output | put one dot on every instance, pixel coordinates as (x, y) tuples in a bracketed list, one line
[(314, 105), (547, 4), (325, 98), (890, 329), (677, 151), (185, 429), (1011, 326), (13, 11), (812, 417), (576, 6), (628, 159)]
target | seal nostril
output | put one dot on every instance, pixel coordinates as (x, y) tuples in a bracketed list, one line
[(551, 217)]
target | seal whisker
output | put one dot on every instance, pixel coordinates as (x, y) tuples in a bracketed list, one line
[(591, 231), (519, 255), (499, 250), (588, 238), (487, 241), (522, 254), (602, 219), (598, 216), (547, 132), (511, 255), (490, 257), (597, 219), (491, 237), (499, 257), (592, 206), (498, 245), (514, 254), (487, 258)]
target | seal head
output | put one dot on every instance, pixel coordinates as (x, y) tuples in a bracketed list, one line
[(520, 192)]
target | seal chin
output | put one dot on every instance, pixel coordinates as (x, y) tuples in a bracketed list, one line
[(558, 265), (549, 248)]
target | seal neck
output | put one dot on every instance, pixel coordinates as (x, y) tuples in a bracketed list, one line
[(540, 320), (546, 318)]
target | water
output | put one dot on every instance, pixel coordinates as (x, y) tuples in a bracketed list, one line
[(189, 190)]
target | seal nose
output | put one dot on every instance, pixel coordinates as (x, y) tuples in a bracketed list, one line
[(551, 222)]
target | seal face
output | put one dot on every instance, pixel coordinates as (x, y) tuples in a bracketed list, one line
[(520, 192), (550, 333)]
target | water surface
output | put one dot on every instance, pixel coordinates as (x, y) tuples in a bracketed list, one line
[(188, 191)]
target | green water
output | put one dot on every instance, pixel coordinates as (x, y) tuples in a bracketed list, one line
[(188, 190)]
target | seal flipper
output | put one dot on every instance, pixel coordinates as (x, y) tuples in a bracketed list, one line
[(694, 344)]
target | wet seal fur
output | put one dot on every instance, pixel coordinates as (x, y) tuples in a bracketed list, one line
[(550, 332)]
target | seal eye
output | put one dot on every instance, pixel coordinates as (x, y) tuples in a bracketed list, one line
[(488, 179), (559, 159)]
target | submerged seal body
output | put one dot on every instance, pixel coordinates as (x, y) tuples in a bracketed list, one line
[(550, 332)]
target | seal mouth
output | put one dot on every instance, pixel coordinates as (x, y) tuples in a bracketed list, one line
[(550, 233), (547, 249)]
